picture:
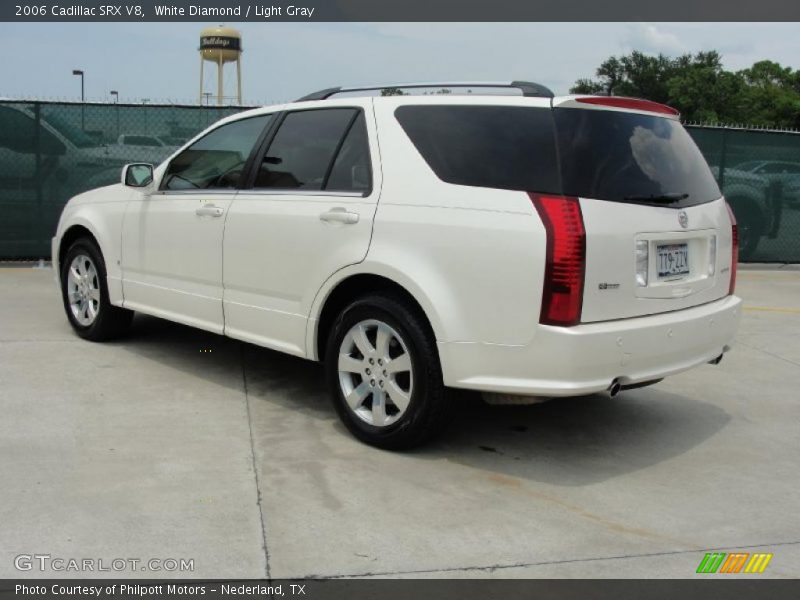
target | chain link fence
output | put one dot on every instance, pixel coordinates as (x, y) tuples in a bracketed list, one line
[(759, 173), (50, 151)]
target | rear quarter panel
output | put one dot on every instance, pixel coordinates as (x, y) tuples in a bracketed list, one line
[(477, 254)]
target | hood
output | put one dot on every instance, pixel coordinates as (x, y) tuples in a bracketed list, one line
[(108, 193)]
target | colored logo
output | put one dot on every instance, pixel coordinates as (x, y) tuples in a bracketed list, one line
[(734, 562)]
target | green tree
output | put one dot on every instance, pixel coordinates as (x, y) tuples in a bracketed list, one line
[(636, 74), (772, 94), (703, 90), (698, 85)]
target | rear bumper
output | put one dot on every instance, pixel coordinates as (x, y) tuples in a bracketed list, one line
[(570, 361)]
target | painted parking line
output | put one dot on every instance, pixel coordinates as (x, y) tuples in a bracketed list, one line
[(25, 269), (777, 309)]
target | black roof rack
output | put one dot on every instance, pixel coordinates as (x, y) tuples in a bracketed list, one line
[(528, 88)]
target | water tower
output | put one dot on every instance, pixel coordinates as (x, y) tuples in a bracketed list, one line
[(221, 45)]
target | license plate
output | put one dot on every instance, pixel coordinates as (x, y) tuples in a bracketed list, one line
[(672, 261)]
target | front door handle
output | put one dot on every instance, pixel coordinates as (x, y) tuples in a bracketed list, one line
[(339, 215), (209, 210)]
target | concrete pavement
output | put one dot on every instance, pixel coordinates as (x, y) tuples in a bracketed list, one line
[(176, 443)]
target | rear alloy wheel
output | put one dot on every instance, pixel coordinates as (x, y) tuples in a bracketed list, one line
[(384, 374), (375, 373)]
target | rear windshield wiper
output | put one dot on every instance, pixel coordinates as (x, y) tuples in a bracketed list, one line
[(671, 197)]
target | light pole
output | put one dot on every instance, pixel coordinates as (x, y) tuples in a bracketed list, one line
[(83, 107), (207, 96), (144, 102), (115, 93)]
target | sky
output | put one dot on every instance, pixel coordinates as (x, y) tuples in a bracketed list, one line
[(283, 61)]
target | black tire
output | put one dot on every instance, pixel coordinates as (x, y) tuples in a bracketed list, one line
[(111, 321), (430, 406)]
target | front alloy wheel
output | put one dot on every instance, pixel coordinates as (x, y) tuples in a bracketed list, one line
[(85, 294), (83, 290)]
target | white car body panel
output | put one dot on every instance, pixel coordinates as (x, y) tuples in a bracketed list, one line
[(171, 256), (587, 358), (612, 228), (101, 212), (472, 258), (267, 301)]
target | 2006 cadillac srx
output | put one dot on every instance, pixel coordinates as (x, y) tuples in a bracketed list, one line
[(521, 245)]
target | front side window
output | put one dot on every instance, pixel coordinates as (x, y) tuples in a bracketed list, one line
[(217, 160), (317, 149)]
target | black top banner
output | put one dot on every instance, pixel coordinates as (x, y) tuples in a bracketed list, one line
[(231, 11)]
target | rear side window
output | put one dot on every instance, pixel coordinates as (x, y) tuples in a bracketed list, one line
[(506, 147), (630, 157)]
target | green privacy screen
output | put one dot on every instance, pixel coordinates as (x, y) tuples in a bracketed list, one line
[(51, 151)]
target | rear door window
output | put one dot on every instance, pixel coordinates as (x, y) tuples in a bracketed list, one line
[(350, 171), (507, 147), (630, 157), (303, 151)]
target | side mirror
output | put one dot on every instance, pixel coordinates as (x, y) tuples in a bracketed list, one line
[(137, 175)]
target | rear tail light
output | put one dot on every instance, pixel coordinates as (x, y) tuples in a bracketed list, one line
[(565, 265), (642, 262), (734, 249)]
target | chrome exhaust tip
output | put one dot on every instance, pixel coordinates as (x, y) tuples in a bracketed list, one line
[(614, 388)]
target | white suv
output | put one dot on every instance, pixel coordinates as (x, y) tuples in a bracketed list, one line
[(522, 245)]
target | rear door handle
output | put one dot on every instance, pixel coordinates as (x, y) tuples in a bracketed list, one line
[(209, 210), (339, 215)]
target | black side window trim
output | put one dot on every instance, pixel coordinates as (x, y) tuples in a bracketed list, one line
[(338, 149), (259, 150), (250, 158), (252, 167)]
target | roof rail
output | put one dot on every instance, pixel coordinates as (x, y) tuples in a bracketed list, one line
[(528, 88)]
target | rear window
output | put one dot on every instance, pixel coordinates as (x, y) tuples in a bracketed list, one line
[(629, 157), (505, 147)]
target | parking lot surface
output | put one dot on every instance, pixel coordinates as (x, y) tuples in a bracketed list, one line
[(176, 443)]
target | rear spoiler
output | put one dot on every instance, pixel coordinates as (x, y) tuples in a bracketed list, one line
[(619, 103)]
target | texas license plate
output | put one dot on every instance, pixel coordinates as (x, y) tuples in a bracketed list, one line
[(672, 261)]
